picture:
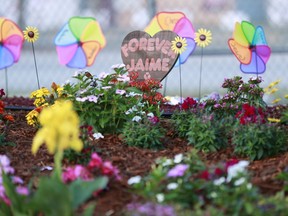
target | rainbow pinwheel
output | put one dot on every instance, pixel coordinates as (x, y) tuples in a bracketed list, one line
[(11, 42), (178, 23), (250, 47), (79, 41)]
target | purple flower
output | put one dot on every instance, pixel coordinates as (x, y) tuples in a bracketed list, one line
[(5, 165), (2, 93), (178, 170), (92, 98), (150, 209)]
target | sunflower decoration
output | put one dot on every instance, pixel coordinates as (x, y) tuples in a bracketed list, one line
[(31, 34), (203, 37), (179, 45)]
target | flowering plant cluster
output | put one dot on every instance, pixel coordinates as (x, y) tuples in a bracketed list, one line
[(95, 168), (43, 97), (149, 87), (238, 93), (105, 101), (5, 118), (144, 131), (185, 183)]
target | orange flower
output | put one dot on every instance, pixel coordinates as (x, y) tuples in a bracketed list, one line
[(9, 118)]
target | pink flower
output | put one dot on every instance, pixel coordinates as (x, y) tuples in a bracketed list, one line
[(154, 120), (108, 169), (77, 172), (22, 190), (95, 162), (178, 170)]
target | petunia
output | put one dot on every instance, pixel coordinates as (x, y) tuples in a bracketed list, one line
[(178, 171)]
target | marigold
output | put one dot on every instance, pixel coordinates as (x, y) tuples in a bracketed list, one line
[(8, 117)]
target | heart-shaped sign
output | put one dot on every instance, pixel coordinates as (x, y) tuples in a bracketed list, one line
[(148, 55)]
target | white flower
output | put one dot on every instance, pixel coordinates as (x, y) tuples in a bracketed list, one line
[(117, 66), (120, 91), (98, 135), (167, 162), (249, 186), (82, 91), (160, 197), (76, 73), (150, 115), (133, 94), (172, 186), (136, 118), (134, 180), (236, 169), (123, 78), (239, 181), (106, 87), (178, 158), (102, 75), (81, 99), (213, 194), (219, 181)]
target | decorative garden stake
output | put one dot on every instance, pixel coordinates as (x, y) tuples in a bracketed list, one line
[(250, 47), (31, 35), (181, 25), (179, 46), (79, 42), (144, 54), (11, 42), (203, 38)]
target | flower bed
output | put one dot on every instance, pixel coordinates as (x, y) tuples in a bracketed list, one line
[(159, 168)]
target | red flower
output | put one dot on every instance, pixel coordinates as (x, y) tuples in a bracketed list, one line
[(218, 172), (205, 175), (188, 103), (95, 162), (231, 162)]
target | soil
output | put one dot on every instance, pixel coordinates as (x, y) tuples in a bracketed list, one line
[(130, 161)]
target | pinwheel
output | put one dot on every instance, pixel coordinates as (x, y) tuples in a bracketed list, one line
[(79, 41), (250, 47), (178, 23), (11, 42)]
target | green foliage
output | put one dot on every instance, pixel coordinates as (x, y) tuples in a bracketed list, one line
[(207, 134), (258, 141), (143, 134), (181, 122)]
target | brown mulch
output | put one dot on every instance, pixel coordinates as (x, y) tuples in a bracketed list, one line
[(130, 161)]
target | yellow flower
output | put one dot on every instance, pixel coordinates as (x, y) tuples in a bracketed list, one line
[(274, 120), (271, 85), (276, 100), (203, 37), (179, 45), (286, 96), (31, 117), (39, 96), (60, 128), (31, 34)]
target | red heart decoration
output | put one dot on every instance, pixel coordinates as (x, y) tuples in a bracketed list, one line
[(145, 54)]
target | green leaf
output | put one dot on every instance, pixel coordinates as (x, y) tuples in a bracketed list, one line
[(89, 210), (52, 198), (81, 190)]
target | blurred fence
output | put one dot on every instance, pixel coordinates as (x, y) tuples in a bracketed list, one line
[(119, 17)]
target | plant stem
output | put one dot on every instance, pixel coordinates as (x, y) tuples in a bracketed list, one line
[(35, 63), (58, 164)]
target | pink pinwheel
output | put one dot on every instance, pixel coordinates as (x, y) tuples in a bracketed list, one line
[(79, 42), (11, 41), (178, 23), (250, 47)]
